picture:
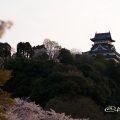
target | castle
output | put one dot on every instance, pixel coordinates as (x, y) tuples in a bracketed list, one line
[(103, 46)]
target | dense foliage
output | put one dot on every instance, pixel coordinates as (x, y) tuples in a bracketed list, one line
[(5, 100), (51, 76)]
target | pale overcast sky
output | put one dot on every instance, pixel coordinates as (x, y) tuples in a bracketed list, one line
[(69, 22)]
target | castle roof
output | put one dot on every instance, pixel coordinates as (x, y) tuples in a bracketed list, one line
[(103, 37)]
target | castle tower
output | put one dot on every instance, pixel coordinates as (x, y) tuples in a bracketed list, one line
[(103, 45)]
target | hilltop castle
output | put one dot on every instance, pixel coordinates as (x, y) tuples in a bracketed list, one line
[(103, 45)]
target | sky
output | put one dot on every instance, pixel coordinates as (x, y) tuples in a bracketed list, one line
[(69, 22)]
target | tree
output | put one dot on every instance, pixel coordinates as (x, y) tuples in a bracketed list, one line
[(3, 26), (24, 50), (75, 51), (5, 53), (5, 100), (4, 75), (83, 59), (24, 110), (65, 56), (40, 53), (52, 49), (78, 107)]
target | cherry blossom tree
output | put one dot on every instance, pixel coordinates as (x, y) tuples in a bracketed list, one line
[(3, 26), (23, 110)]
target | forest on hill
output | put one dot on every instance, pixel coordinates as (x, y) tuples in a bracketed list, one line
[(47, 75), (67, 82)]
